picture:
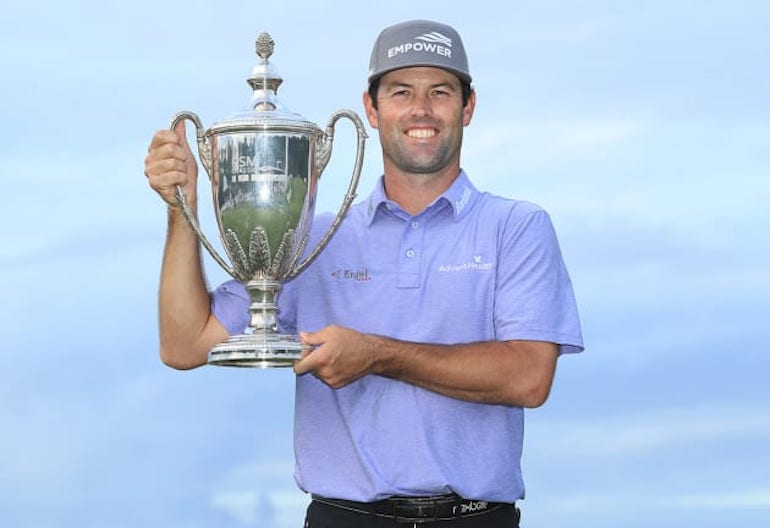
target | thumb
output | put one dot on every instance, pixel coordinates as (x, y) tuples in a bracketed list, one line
[(310, 338), (180, 129)]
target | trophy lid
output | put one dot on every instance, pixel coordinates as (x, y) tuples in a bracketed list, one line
[(265, 111)]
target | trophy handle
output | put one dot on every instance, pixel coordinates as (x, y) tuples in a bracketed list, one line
[(324, 155), (204, 152)]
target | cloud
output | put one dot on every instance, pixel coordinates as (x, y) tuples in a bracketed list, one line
[(645, 507), (547, 140), (96, 243), (246, 507), (261, 507), (631, 435), (260, 494), (746, 499)]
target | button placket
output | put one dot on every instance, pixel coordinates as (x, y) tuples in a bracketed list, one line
[(411, 251)]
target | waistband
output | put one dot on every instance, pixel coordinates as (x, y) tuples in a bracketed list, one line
[(417, 509)]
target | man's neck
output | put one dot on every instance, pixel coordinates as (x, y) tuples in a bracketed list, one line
[(414, 192)]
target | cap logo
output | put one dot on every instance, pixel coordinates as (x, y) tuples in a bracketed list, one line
[(433, 42), (435, 36)]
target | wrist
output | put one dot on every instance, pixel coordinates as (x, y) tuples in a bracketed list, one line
[(174, 207), (376, 349), (177, 220)]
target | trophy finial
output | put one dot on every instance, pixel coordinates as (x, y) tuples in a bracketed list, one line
[(265, 45), (265, 79)]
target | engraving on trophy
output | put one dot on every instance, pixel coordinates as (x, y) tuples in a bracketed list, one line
[(264, 165), (263, 181)]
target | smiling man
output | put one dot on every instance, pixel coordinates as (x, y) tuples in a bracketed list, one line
[(433, 317)]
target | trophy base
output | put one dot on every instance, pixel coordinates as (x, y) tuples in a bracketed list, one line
[(257, 351)]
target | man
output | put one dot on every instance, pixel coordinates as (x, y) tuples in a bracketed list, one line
[(433, 317)]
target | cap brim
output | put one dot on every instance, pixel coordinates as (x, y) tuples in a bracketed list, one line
[(460, 74)]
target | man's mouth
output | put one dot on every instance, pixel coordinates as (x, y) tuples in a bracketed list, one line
[(421, 133)]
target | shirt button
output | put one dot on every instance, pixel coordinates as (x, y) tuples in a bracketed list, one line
[(410, 253), (415, 225)]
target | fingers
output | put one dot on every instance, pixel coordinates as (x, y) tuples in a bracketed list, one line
[(165, 154), (164, 137), (176, 136), (336, 356), (169, 163), (305, 365), (308, 362), (168, 142)]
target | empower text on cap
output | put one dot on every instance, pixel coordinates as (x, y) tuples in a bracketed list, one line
[(419, 43)]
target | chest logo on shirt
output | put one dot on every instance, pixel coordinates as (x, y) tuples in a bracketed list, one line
[(352, 275), (476, 263)]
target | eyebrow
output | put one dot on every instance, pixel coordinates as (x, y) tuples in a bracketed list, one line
[(404, 84)]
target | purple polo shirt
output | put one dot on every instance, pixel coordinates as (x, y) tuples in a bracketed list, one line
[(470, 267)]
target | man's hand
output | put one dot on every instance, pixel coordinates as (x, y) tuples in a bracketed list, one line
[(169, 163), (338, 356)]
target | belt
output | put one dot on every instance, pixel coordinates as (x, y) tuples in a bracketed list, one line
[(417, 509)]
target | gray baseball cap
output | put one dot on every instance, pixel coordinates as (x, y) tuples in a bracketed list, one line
[(418, 43)]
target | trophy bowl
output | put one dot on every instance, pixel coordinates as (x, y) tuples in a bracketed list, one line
[(264, 165)]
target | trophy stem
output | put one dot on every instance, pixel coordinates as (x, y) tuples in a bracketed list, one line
[(260, 346), (262, 308)]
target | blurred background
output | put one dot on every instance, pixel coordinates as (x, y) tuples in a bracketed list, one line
[(642, 127)]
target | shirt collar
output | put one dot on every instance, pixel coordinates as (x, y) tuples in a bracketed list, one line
[(460, 196)]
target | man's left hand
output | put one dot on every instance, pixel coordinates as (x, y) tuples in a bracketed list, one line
[(336, 355)]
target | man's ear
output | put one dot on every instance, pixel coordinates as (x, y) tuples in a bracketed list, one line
[(468, 110), (371, 111)]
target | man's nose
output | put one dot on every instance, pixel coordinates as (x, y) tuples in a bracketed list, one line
[(421, 105)]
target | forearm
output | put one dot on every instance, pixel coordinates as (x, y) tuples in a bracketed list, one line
[(508, 373), (517, 373), (187, 328)]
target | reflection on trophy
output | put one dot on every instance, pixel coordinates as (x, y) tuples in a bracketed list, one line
[(264, 165)]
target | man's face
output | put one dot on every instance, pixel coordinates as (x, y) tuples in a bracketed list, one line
[(420, 118)]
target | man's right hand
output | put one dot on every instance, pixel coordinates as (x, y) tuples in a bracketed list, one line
[(169, 163)]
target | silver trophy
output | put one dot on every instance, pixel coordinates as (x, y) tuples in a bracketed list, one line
[(264, 165)]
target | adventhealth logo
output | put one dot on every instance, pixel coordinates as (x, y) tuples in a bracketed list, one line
[(477, 263), (433, 42)]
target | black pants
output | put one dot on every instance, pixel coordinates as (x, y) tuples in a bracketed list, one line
[(327, 516)]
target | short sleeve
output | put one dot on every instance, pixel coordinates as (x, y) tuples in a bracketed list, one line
[(534, 298), (230, 305)]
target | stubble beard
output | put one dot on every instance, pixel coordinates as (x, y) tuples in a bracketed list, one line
[(408, 160)]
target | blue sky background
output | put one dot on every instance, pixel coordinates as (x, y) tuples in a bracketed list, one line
[(642, 127)]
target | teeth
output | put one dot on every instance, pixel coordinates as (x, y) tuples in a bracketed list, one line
[(421, 133)]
